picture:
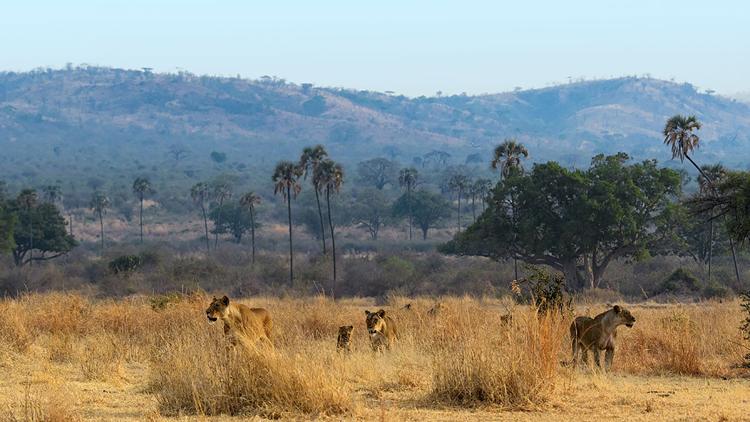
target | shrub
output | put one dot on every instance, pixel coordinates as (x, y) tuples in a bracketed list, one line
[(681, 281)]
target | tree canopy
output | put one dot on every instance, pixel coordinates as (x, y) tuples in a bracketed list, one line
[(50, 236), (575, 221), (427, 209)]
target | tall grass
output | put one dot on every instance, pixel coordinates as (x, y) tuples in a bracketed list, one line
[(462, 356)]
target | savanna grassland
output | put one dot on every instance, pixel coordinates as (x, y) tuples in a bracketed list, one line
[(70, 357)]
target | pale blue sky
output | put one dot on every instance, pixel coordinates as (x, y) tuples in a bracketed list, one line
[(411, 47)]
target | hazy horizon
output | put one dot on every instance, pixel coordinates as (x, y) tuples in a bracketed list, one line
[(414, 49)]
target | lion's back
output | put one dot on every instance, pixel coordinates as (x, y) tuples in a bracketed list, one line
[(256, 319)]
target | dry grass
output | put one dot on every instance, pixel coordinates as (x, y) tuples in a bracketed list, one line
[(463, 358)]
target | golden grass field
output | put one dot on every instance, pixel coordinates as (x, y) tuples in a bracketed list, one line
[(66, 357)]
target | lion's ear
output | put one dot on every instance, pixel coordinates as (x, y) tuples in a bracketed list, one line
[(617, 309), (367, 312), (351, 327), (381, 313), (225, 300)]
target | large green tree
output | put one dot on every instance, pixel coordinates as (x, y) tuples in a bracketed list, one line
[(48, 235), (232, 218), (286, 183), (377, 172), (370, 211), (575, 221), (731, 203), (427, 209)]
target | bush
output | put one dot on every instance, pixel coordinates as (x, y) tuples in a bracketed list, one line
[(716, 290), (680, 282)]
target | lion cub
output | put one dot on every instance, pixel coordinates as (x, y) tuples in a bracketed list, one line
[(241, 323), (598, 333), (382, 330), (344, 341)]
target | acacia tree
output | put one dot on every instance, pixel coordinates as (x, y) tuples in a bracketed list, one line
[(200, 192), (679, 135), (99, 205), (575, 221), (331, 175), (248, 201), (309, 162), (50, 237), (286, 182), (220, 192), (408, 179), (428, 209), (731, 202), (370, 211), (378, 172), (141, 188)]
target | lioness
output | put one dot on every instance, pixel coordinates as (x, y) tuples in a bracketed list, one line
[(382, 330), (598, 333), (344, 341), (240, 322)]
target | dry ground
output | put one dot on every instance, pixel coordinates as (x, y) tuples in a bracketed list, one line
[(65, 357)]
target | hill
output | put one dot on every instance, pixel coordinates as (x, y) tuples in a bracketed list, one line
[(93, 119)]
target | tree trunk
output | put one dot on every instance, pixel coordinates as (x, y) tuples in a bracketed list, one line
[(411, 218), (588, 271), (459, 212), (333, 242), (218, 224), (252, 234), (710, 244), (731, 242), (291, 253), (322, 226), (101, 227), (424, 233), (205, 225), (474, 208), (31, 238), (515, 268), (570, 271), (141, 219)]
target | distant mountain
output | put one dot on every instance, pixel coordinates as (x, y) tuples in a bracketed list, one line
[(112, 118)]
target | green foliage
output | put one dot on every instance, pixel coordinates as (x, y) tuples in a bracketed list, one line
[(42, 225), (378, 172), (570, 218), (231, 218), (426, 208), (370, 210), (732, 199), (546, 290), (218, 157), (7, 224)]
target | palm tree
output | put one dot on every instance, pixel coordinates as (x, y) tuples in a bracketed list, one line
[(482, 188), (678, 134), (408, 178), (286, 182), (200, 194), (99, 205), (331, 175), (28, 199), (221, 192), (248, 202), (309, 161), (507, 156), (141, 188), (458, 183)]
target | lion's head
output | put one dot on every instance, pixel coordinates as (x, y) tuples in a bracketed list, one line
[(345, 332), (375, 322), (623, 316), (217, 309)]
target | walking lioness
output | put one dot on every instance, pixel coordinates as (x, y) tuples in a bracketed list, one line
[(241, 323), (382, 330), (598, 333)]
